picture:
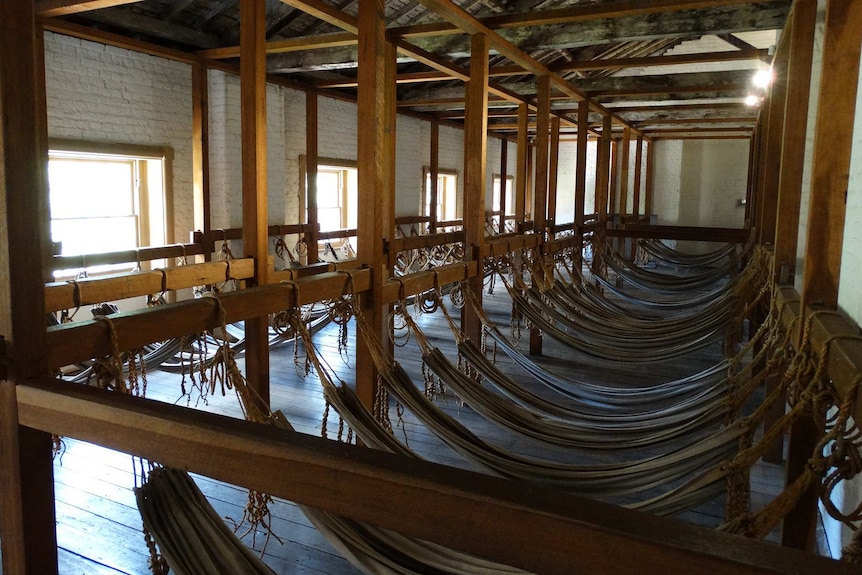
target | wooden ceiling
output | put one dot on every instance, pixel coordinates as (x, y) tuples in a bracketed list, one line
[(664, 67)]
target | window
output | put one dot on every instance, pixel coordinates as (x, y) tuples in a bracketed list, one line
[(510, 197), (106, 198), (447, 194)]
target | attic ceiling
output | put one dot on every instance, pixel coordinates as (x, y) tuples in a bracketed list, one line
[(665, 66)]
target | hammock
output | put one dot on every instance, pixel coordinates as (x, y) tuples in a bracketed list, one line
[(665, 283), (189, 533), (674, 257)]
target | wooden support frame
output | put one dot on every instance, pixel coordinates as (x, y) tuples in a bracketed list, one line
[(311, 163), (200, 148), (434, 170), (522, 174), (624, 173), (375, 224), (693, 233), (636, 194), (650, 176), (504, 175), (795, 132), (536, 529), (475, 154), (27, 518), (825, 236)]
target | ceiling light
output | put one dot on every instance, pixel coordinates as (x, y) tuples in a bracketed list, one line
[(763, 78), (752, 100)]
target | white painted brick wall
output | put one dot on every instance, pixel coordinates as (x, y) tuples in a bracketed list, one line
[(100, 93), (412, 152)]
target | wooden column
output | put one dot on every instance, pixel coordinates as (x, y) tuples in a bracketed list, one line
[(311, 161), (435, 172), (504, 173), (581, 173), (636, 201), (200, 149), (830, 176), (614, 160), (603, 158), (254, 192), (27, 520), (793, 148), (375, 192), (540, 194), (624, 172), (543, 131), (521, 174), (790, 178), (750, 188), (774, 137), (475, 152), (650, 174), (553, 166)]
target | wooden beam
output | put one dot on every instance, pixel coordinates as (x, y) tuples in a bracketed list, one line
[(254, 179), (326, 12), (475, 154), (648, 61), (504, 172), (375, 191), (300, 44), (572, 14), (636, 194), (581, 163), (624, 172), (28, 540), (603, 163), (535, 529), (650, 175), (553, 168), (310, 183), (833, 143), (143, 24), (200, 149), (614, 159), (434, 172), (521, 174), (51, 8), (543, 130), (795, 134)]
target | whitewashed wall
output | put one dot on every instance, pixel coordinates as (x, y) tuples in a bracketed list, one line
[(99, 93)]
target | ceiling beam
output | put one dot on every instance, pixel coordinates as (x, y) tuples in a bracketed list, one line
[(154, 27), (572, 14), (672, 60), (299, 44), (327, 13), (761, 16), (51, 8)]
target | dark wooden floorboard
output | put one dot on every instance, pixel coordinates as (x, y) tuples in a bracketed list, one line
[(99, 528)]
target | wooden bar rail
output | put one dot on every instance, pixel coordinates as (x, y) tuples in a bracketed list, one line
[(336, 234), (498, 245), (89, 291), (513, 522), (126, 256), (89, 339), (425, 241), (830, 333), (726, 235)]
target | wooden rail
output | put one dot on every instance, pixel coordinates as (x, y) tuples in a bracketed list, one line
[(517, 523), (425, 241), (832, 333), (336, 234), (89, 291), (725, 235), (497, 245), (126, 256)]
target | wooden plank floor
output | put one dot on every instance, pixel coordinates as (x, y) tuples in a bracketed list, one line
[(99, 528)]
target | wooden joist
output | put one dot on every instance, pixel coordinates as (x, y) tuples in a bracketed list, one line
[(525, 525)]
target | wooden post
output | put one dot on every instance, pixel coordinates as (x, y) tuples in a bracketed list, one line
[(540, 195), (553, 165), (790, 178), (603, 186), (624, 172), (750, 189), (27, 519), (581, 174), (375, 192), (475, 152), (774, 137), (636, 201), (435, 172), (833, 143), (614, 176), (254, 192), (650, 174), (521, 174), (200, 150), (504, 173), (311, 161)]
